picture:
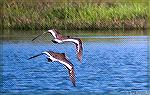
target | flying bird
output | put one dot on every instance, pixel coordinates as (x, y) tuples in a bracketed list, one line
[(61, 58), (59, 38)]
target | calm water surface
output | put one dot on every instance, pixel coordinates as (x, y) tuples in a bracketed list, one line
[(112, 64)]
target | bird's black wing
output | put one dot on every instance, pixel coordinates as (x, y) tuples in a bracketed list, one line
[(71, 72)]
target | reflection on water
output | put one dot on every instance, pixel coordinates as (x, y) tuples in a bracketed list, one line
[(22, 35), (112, 64)]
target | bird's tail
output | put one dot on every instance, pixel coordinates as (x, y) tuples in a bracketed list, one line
[(35, 56), (38, 36)]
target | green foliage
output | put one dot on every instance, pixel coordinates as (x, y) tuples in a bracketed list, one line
[(19, 15)]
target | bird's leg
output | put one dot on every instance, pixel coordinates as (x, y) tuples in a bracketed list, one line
[(49, 60), (54, 41)]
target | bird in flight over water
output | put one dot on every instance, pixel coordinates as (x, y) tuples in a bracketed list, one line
[(61, 58)]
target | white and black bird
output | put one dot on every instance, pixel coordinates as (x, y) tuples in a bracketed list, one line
[(61, 58), (59, 38)]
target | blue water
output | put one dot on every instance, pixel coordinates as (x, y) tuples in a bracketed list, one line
[(110, 66)]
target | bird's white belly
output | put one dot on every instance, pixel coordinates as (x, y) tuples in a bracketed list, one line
[(66, 64), (51, 57), (59, 41)]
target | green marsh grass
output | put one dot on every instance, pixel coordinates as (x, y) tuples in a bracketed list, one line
[(24, 15)]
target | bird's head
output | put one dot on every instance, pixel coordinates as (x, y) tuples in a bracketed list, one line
[(53, 32), (50, 31)]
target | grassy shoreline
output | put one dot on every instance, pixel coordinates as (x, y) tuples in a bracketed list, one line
[(82, 16)]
